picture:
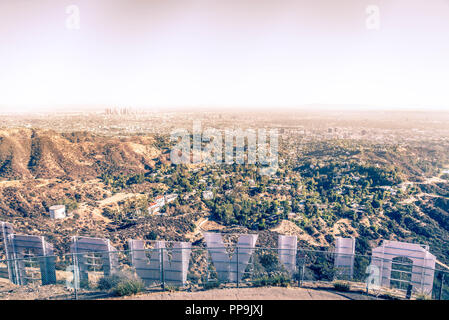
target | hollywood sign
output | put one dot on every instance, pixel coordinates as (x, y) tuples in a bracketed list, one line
[(149, 269), (172, 258)]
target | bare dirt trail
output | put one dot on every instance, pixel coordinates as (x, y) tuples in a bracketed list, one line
[(197, 233), (96, 212), (84, 210), (271, 293), (116, 198)]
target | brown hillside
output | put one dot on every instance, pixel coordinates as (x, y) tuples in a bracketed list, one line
[(26, 153)]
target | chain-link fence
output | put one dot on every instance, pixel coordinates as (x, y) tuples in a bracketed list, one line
[(90, 275)]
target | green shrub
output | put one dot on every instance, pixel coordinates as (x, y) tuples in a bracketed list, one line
[(423, 296), (108, 282), (152, 235), (342, 286), (128, 287), (211, 285), (84, 283), (260, 282), (171, 288), (269, 261), (388, 296), (274, 280), (121, 284)]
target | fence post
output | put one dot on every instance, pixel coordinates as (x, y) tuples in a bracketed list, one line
[(408, 295), (16, 263), (162, 269), (367, 287), (75, 275), (303, 269), (441, 287), (238, 282)]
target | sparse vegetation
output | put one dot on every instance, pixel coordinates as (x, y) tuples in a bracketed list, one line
[(423, 296), (211, 285), (342, 286), (121, 284), (107, 283), (282, 280), (128, 287)]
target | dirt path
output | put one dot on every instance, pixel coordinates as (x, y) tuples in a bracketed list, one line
[(197, 233), (275, 293), (113, 200), (116, 198), (84, 210)]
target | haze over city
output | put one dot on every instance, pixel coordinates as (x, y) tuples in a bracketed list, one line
[(223, 54)]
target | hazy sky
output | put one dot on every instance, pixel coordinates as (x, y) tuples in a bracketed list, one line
[(219, 53)]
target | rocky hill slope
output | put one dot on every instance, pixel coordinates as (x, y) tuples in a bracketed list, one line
[(28, 154)]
